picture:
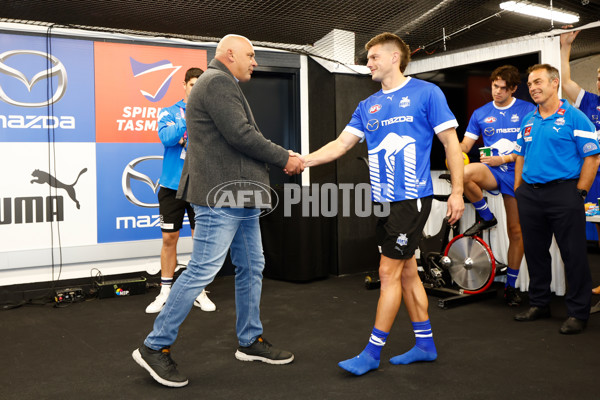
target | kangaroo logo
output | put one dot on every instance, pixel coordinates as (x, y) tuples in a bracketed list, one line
[(391, 146), (42, 177)]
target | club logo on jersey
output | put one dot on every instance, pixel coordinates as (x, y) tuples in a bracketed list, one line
[(405, 102), (490, 120), (560, 121), (139, 68), (374, 108), (527, 131), (589, 147), (56, 68), (372, 125), (489, 131), (514, 118), (561, 111)]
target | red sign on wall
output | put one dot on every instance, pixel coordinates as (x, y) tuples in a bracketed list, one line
[(133, 82)]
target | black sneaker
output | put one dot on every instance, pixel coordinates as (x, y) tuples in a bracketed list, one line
[(160, 365), (261, 350), (511, 296), (479, 226)]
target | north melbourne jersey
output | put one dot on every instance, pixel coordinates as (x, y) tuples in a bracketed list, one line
[(399, 126)]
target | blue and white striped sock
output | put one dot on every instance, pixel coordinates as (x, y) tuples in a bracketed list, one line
[(424, 349), (511, 277), (166, 282), (369, 358), (376, 343), (483, 210)]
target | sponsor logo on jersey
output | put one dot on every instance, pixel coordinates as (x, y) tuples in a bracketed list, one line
[(396, 120), (517, 148), (561, 111), (527, 131), (560, 121), (507, 130), (591, 146), (514, 118), (490, 120), (56, 68), (598, 108), (372, 125), (405, 102), (489, 131), (374, 108)]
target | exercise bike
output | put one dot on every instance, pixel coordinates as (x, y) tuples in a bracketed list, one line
[(458, 271)]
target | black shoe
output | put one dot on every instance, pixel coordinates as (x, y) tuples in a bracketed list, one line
[(511, 296), (533, 313), (480, 226), (572, 326), (160, 365), (261, 350)]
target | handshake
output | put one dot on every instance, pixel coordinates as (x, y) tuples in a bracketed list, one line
[(295, 164)]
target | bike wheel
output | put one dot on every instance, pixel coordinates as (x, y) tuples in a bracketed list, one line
[(473, 266)]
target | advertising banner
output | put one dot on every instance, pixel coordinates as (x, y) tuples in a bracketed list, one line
[(48, 195), (133, 82), (127, 192), (46, 89)]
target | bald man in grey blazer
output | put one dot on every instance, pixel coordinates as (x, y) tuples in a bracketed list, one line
[(224, 178)]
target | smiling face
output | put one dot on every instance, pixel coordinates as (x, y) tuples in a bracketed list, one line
[(382, 60), (541, 86)]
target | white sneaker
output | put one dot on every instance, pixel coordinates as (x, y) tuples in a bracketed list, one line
[(160, 300), (204, 302)]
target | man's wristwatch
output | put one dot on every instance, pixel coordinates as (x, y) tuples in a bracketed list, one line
[(582, 193)]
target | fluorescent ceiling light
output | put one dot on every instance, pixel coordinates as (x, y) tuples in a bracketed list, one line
[(538, 11)]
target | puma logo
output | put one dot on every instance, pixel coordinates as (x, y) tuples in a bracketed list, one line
[(42, 177)]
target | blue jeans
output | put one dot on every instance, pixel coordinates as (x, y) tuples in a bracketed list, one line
[(217, 230)]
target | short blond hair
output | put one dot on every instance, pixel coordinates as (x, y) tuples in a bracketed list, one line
[(388, 37)]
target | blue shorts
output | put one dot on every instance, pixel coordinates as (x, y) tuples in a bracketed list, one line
[(505, 179)]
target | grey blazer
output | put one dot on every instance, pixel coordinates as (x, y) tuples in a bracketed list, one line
[(224, 142)]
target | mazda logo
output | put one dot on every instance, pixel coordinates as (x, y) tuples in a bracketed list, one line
[(58, 69), (372, 125), (130, 173)]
